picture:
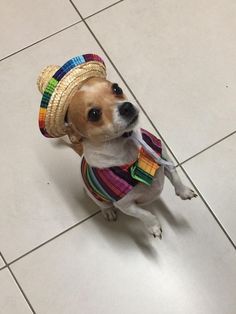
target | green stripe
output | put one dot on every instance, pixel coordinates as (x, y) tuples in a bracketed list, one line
[(51, 85), (140, 175), (95, 185)]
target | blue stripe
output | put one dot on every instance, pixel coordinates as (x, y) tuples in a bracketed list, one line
[(72, 63)]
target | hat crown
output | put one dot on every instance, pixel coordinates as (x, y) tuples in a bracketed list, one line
[(45, 76)]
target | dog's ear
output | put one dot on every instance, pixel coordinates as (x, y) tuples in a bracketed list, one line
[(75, 138)]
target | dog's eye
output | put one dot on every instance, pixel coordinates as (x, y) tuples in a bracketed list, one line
[(94, 114), (116, 89)]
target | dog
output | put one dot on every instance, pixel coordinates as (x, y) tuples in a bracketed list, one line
[(103, 126)]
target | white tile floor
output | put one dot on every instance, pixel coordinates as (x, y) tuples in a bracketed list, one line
[(178, 59), (11, 298)]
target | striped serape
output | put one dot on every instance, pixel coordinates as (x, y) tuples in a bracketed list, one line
[(112, 184)]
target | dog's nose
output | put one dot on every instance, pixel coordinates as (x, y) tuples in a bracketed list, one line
[(127, 110)]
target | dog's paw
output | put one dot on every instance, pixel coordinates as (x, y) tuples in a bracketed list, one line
[(185, 193), (156, 231), (109, 214)]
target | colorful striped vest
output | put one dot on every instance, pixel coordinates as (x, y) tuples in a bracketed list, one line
[(112, 184)]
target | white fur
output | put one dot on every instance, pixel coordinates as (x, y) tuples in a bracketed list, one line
[(120, 151), (114, 152)]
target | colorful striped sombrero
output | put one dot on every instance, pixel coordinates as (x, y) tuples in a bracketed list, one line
[(57, 84)]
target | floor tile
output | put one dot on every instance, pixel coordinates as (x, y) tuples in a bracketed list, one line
[(25, 22), (102, 267), (11, 299), (87, 8), (42, 193), (2, 264), (213, 172), (179, 60)]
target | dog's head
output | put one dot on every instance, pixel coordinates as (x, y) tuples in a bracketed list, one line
[(99, 111)]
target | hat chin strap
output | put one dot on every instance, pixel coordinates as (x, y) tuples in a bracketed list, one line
[(167, 164)]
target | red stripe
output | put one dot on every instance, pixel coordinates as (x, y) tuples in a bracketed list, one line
[(41, 124), (118, 186), (91, 190)]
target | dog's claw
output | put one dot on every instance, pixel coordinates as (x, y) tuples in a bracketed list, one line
[(155, 231), (185, 193), (157, 236), (109, 214), (194, 194)]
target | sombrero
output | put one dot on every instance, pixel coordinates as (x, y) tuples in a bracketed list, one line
[(57, 84)]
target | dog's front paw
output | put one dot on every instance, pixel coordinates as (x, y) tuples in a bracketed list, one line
[(109, 214), (155, 230), (185, 193)]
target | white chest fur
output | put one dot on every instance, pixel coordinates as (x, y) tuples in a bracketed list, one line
[(116, 152)]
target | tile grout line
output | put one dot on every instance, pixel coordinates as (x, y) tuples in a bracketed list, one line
[(3, 266), (123, 80), (145, 113), (208, 147), (61, 30), (208, 207), (39, 41), (18, 285), (53, 238), (108, 7)]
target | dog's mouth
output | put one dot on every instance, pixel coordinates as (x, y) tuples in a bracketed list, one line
[(133, 121)]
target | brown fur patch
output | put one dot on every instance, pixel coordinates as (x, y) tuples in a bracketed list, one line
[(94, 93)]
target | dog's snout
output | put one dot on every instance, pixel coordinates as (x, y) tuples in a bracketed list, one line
[(127, 110)]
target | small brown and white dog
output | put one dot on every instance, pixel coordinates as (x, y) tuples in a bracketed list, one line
[(98, 116)]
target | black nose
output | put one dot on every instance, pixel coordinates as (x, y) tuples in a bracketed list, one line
[(127, 110)]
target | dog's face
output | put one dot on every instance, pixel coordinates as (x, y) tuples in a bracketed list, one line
[(100, 111)]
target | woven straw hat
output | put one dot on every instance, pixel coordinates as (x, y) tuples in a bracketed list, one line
[(58, 83)]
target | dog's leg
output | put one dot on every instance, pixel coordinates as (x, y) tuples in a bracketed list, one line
[(108, 210), (184, 192), (181, 190), (150, 221)]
